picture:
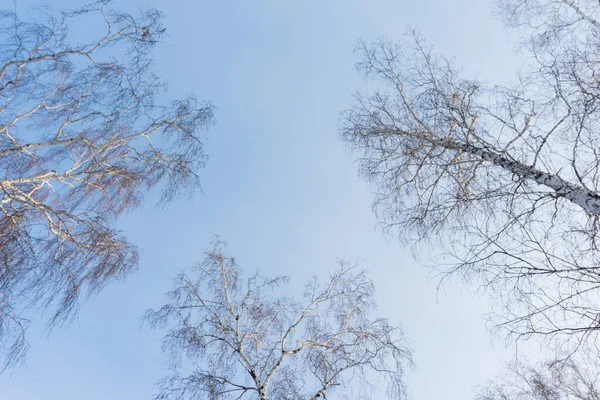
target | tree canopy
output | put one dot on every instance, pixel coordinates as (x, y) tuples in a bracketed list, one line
[(82, 139), (504, 178), (231, 337)]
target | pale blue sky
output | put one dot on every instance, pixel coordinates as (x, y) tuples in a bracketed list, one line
[(280, 187)]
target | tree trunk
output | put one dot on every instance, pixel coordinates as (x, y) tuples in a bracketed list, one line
[(584, 198)]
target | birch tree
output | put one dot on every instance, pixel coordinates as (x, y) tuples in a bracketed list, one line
[(561, 379), (231, 337), (82, 139), (504, 178)]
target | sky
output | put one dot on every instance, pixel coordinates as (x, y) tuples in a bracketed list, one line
[(280, 187)]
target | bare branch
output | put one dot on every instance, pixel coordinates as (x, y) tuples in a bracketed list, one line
[(561, 379)]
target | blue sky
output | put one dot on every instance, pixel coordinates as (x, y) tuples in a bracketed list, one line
[(280, 187)]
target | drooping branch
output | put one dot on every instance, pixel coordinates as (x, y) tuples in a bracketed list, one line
[(82, 139)]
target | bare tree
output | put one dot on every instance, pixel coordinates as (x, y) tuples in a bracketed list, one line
[(82, 139), (504, 178), (239, 339), (555, 380)]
